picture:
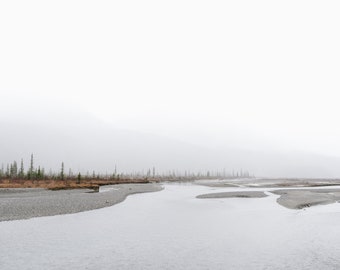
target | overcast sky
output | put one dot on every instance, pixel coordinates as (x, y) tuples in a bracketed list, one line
[(248, 74)]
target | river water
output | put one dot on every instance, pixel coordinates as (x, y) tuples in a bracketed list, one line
[(172, 229)]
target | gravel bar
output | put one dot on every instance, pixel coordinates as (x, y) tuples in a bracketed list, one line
[(302, 198), (240, 194), (27, 203)]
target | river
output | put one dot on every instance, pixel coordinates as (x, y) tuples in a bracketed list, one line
[(172, 229)]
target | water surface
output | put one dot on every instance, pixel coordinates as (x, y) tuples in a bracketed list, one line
[(172, 229)]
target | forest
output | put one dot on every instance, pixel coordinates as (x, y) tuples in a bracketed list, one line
[(14, 175)]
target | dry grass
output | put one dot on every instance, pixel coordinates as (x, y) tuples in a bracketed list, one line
[(65, 184)]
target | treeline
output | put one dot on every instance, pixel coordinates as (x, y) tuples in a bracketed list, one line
[(17, 171)]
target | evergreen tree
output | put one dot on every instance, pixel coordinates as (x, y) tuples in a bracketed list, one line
[(62, 176), (11, 173), (7, 171), (31, 170), (42, 173), (14, 169), (38, 174), (21, 171)]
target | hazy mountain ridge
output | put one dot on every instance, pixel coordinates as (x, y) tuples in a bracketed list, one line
[(95, 146)]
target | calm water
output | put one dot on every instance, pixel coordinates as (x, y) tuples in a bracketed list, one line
[(174, 230)]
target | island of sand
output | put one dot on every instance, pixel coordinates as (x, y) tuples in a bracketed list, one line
[(235, 194), (302, 193), (302, 198)]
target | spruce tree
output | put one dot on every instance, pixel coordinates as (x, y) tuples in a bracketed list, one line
[(21, 171), (11, 173), (42, 173), (39, 173), (14, 169), (78, 178), (31, 170), (62, 176), (7, 171)]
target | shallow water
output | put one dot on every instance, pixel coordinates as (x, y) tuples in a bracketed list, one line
[(172, 229)]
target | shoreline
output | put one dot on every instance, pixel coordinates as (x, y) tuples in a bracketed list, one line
[(26, 203), (18, 204), (70, 183)]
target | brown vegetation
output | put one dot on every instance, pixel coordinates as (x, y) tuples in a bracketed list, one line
[(72, 183)]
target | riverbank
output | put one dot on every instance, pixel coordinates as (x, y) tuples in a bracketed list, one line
[(70, 183), (25, 203)]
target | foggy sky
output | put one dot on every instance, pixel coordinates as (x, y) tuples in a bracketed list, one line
[(257, 76)]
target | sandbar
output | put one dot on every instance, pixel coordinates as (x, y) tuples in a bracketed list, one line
[(27, 203)]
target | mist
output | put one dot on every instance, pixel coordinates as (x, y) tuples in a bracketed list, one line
[(86, 144), (184, 86)]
